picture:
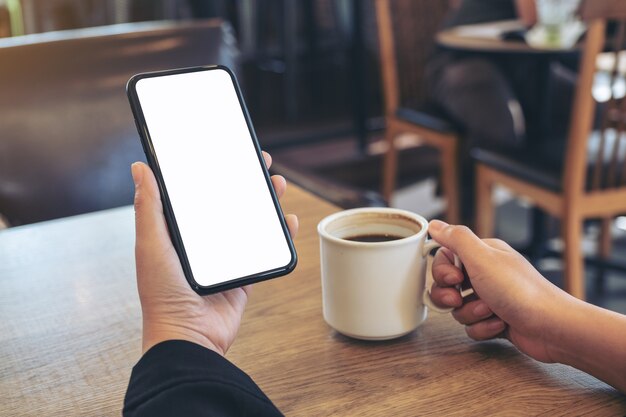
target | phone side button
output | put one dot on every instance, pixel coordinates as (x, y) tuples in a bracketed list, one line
[(143, 145)]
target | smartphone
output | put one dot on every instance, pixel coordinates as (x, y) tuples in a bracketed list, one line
[(223, 215)]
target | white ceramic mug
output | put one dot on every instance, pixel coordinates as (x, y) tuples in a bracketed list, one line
[(375, 290)]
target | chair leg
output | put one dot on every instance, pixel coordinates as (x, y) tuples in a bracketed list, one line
[(604, 251), (390, 163), (606, 244), (574, 271), (485, 211), (539, 239), (450, 182)]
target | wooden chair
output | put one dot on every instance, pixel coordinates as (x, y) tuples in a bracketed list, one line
[(406, 30), (590, 182)]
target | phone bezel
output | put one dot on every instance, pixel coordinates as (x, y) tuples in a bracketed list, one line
[(148, 148)]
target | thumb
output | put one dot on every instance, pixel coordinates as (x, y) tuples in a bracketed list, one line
[(459, 239), (150, 226)]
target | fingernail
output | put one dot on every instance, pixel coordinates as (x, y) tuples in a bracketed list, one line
[(496, 325), (450, 280), (135, 170), (448, 300), (437, 225), (481, 310)]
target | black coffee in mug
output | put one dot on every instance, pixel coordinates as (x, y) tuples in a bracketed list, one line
[(374, 238)]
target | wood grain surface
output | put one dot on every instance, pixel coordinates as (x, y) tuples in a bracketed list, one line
[(70, 334)]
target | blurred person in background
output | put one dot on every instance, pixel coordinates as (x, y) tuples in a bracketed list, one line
[(491, 97)]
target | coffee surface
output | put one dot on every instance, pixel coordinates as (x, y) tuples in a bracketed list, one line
[(374, 238)]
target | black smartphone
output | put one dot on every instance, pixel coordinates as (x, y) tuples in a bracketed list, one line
[(223, 215)]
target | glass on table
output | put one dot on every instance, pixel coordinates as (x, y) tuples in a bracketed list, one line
[(557, 25)]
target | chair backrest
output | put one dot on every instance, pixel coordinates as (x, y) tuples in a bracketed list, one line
[(406, 34), (605, 150), (67, 136)]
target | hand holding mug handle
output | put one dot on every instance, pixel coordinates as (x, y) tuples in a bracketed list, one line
[(428, 247)]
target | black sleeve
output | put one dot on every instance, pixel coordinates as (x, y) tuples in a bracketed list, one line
[(179, 378)]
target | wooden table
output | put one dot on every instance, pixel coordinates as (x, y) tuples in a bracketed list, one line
[(70, 333), (482, 37), (486, 38)]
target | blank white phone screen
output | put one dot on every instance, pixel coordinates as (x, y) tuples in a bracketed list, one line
[(223, 207)]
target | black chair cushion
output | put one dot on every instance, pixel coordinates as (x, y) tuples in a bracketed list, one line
[(543, 163), (525, 165), (428, 116)]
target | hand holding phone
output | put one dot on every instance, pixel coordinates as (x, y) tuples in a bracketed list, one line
[(171, 309), (196, 132)]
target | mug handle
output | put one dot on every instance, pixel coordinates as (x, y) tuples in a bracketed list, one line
[(428, 247)]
